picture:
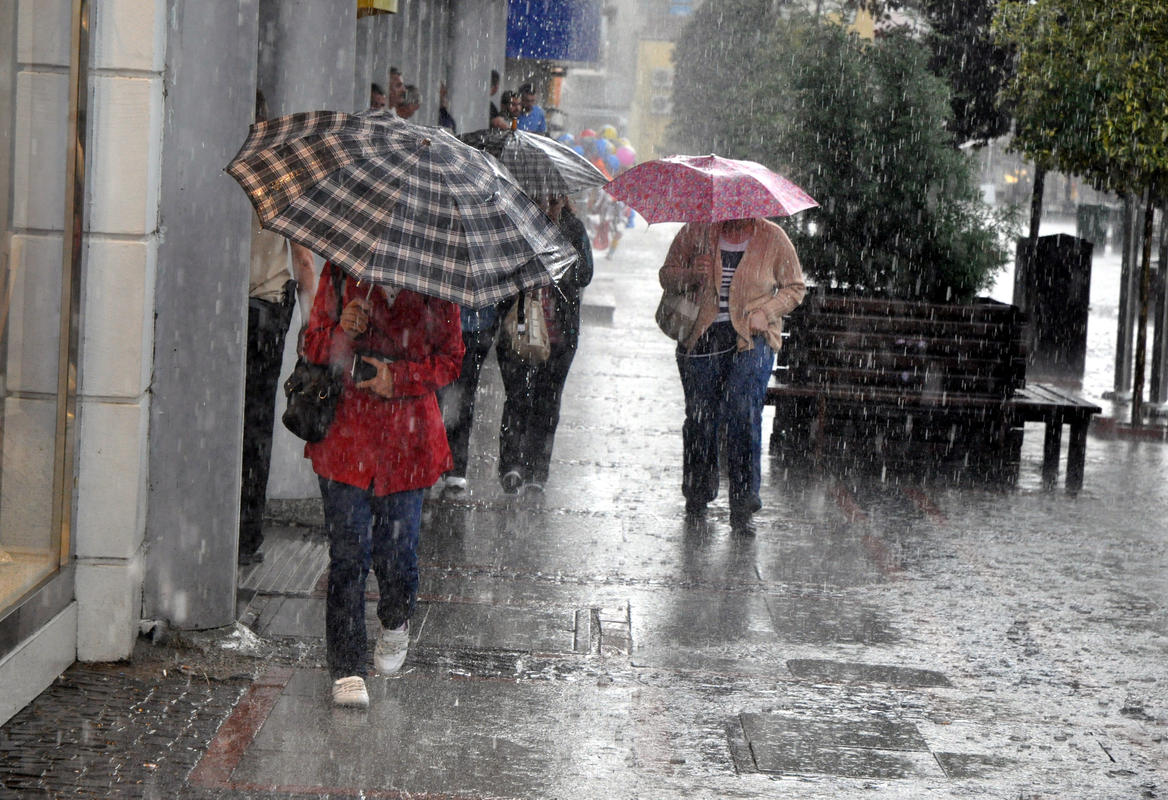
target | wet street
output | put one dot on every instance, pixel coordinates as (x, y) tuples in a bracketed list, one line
[(874, 639)]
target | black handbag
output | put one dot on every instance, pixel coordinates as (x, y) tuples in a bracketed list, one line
[(313, 390)]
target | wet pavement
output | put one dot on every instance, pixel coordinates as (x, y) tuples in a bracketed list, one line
[(873, 640)]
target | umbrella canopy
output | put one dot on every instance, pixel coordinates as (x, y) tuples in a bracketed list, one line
[(400, 204), (707, 189), (541, 166)]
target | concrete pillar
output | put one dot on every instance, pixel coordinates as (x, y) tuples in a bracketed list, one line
[(307, 56), (200, 316), (478, 44)]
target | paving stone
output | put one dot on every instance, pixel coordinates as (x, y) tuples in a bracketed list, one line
[(872, 732), (962, 766), (797, 758), (841, 671)]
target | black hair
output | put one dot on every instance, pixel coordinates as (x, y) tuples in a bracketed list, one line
[(375, 88)]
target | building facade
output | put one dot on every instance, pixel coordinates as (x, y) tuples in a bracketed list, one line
[(124, 267)]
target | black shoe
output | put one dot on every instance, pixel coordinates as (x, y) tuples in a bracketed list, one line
[(248, 559), (754, 504), (511, 482), (695, 510), (743, 527), (741, 523)]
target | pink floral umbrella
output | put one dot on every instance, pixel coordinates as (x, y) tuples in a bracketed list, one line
[(707, 189)]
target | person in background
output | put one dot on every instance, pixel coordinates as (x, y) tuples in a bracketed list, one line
[(531, 410), (747, 276), (385, 447), (510, 105), (411, 101), (494, 112), (479, 329), (281, 274), (532, 117), (444, 118), (376, 97)]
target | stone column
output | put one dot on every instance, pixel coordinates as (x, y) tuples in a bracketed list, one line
[(307, 56), (478, 45), (200, 311)]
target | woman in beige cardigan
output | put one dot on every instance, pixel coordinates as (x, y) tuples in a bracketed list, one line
[(747, 276)]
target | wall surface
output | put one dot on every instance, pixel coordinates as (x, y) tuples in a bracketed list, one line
[(200, 299)]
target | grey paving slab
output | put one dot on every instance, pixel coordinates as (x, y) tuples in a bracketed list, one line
[(293, 616), (496, 627), (447, 737), (453, 625), (825, 670), (873, 732), (796, 757), (964, 766)]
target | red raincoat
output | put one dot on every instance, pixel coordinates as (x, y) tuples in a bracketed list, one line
[(388, 445)]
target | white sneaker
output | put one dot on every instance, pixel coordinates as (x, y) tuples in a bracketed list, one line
[(455, 487), (350, 692), (390, 651)]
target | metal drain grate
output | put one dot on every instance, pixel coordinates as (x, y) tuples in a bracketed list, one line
[(293, 563)]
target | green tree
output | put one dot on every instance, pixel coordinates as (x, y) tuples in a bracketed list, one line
[(966, 55), (861, 126), (1090, 89)]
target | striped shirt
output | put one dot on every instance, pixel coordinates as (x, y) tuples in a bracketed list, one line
[(731, 256)]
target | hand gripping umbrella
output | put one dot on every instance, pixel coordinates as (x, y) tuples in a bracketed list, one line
[(707, 189), (399, 204), (541, 166)]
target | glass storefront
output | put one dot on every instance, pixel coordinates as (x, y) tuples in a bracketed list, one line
[(41, 117)]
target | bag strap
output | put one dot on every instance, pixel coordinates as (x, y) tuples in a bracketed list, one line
[(339, 289)]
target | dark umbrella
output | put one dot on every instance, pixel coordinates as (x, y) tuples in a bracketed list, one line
[(400, 204), (541, 166)]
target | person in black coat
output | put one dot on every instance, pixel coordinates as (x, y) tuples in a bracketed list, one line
[(531, 410)]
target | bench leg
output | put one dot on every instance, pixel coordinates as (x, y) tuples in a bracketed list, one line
[(1050, 451), (1077, 454)]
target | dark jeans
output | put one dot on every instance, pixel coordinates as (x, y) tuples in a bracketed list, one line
[(458, 398), (267, 325), (724, 391), (363, 531), (531, 410)]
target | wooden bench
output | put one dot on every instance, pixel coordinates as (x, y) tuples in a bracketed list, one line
[(1055, 407), (915, 389)]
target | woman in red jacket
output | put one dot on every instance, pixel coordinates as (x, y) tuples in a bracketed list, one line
[(386, 445)]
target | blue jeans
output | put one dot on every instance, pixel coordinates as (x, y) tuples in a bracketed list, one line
[(724, 391), (365, 530)]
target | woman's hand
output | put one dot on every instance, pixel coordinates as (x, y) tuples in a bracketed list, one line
[(355, 317), (758, 322), (382, 384)]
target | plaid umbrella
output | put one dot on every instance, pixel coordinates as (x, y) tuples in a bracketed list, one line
[(541, 166), (707, 189), (400, 204)]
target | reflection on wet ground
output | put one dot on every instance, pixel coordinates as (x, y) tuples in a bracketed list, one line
[(874, 639)]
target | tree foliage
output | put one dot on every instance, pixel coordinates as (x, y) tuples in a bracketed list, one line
[(861, 126), (977, 67), (1090, 87)]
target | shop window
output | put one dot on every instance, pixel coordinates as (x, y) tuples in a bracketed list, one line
[(37, 140)]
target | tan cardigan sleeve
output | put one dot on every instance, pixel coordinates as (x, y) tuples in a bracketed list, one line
[(679, 272), (788, 277)]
